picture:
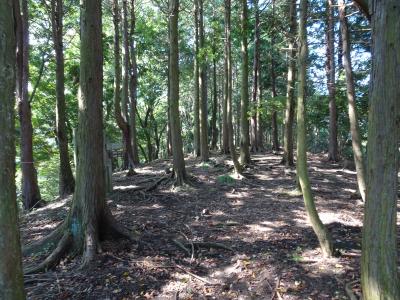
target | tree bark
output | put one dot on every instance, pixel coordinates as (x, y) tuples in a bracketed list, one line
[(30, 189), (254, 136), (290, 88), (196, 109), (228, 85), (379, 274), (274, 121), (175, 122), (331, 82), (133, 85), (203, 88), (354, 127), (244, 89), (11, 277), (214, 130), (66, 178), (302, 172)]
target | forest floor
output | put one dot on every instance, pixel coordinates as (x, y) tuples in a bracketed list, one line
[(269, 252)]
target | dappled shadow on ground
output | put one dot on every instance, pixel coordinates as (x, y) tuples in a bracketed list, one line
[(269, 249)]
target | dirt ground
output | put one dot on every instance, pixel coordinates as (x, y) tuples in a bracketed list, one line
[(220, 238)]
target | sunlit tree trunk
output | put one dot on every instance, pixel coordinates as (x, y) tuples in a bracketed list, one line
[(331, 82), (228, 84), (274, 119), (175, 122), (354, 127), (66, 178), (290, 88), (379, 271), (30, 189), (203, 88), (196, 108), (302, 172), (11, 277), (244, 89)]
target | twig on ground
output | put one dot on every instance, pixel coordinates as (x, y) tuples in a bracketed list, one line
[(194, 275)]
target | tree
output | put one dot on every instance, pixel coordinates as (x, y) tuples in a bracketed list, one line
[(89, 219), (290, 101), (354, 127), (203, 88), (254, 136), (214, 130), (133, 83), (244, 89), (331, 82), (379, 275), (11, 277), (196, 108), (66, 181), (30, 188), (228, 84), (302, 172), (175, 122), (274, 94)]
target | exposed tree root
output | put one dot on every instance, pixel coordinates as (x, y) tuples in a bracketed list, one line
[(211, 245), (55, 256), (50, 240), (181, 246)]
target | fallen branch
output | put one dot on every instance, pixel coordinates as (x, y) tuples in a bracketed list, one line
[(195, 276), (212, 245)]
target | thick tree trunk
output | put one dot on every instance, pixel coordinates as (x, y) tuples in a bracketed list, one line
[(228, 85), (66, 178), (11, 278), (196, 108), (133, 84), (254, 136), (379, 273), (203, 89), (302, 172), (331, 82), (354, 127), (244, 89), (30, 189), (274, 120), (290, 88), (175, 122)]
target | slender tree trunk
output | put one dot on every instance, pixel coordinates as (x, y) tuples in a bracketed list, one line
[(244, 90), (290, 88), (30, 189), (203, 89), (66, 178), (225, 134), (214, 130), (133, 84), (175, 122), (302, 172), (274, 121), (196, 108), (331, 81), (354, 128), (379, 273), (228, 85), (11, 277), (255, 94)]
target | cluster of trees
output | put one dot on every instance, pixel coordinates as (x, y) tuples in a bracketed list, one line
[(165, 66)]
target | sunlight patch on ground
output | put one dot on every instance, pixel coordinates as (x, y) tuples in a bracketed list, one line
[(124, 187), (259, 228)]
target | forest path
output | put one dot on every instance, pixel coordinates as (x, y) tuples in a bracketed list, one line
[(261, 218)]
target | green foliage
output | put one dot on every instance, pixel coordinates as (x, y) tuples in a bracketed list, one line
[(226, 179)]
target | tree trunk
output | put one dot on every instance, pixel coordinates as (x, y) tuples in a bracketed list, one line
[(30, 189), (290, 88), (175, 122), (66, 178), (254, 142), (274, 121), (214, 130), (331, 82), (11, 277), (354, 128), (228, 85), (203, 88), (302, 172), (196, 109), (133, 83), (244, 90), (379, 274)]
